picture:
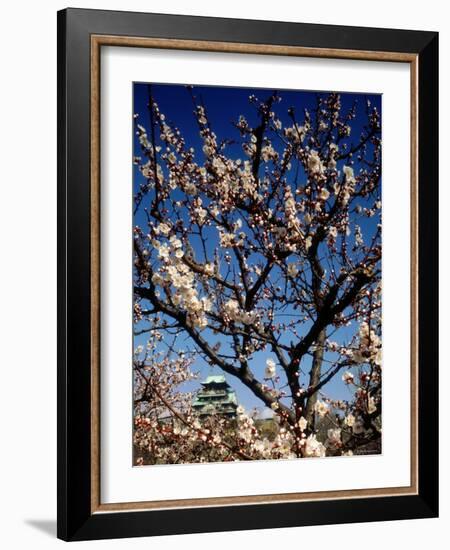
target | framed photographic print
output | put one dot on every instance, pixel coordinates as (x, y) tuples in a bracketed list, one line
[(247, 274)]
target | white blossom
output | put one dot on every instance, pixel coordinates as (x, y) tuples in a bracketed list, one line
[(348, 377), (349, 420), (302, 423), (314, 163), (313, 447), (321, 408), (270, 371), (292, 270)]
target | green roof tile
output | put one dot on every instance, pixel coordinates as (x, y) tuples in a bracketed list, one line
[(215, 379)]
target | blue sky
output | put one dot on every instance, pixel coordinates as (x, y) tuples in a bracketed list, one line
[(224, 105)]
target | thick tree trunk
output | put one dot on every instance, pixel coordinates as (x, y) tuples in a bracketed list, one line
[(314, 378)]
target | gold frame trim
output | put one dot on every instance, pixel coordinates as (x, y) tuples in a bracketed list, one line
[(97, 41)]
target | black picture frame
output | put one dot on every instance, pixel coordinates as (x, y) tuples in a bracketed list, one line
[(76, 521)]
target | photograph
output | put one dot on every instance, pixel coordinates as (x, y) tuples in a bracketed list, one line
[(257, 274)]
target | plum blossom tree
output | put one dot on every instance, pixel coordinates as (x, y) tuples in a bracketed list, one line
[(272, 256)]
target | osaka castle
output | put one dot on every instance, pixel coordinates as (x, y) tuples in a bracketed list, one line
[(215, 397)]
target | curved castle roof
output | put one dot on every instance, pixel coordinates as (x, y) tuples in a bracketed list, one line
[(215, 379)]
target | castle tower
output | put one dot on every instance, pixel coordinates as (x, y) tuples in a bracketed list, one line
[(215, 397)]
